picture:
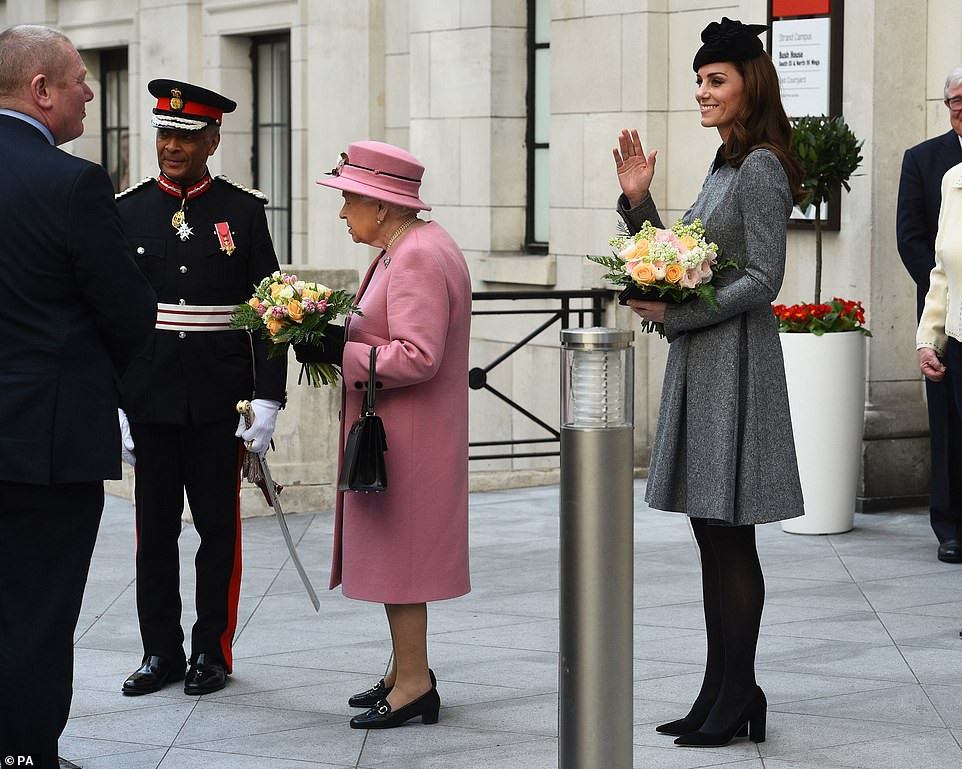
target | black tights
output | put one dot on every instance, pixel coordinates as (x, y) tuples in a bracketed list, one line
[(734, 593)]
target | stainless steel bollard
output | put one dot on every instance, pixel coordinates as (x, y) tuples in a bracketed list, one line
[(596, 680)]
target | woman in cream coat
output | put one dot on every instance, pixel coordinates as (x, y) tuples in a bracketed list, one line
[(940, 328)]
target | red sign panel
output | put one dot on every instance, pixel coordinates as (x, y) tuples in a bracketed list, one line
[(781, 8)]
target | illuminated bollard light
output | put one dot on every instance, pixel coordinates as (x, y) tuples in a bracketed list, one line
[(596, 682)]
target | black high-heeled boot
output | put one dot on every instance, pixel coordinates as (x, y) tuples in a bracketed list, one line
[(382, 717), (687, 726), (752, 718)]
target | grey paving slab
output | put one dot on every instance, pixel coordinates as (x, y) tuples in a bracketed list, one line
[(531, 754), (411, 745), (333, 743), (90, 752), (933, 665), (859, 653), (947, 700), (901, 705), (925, 750), (793, 735), (926, 630), (783, 687), (149, 726), (128, 759), (860, 626), (824, 568), (217, 720), (842, 659), (193, 758)]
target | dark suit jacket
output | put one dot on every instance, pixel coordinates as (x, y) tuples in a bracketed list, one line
[(198, 378), (920, 196), (74, 311)]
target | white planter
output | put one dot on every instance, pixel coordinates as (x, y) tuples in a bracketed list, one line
[(826, 391)]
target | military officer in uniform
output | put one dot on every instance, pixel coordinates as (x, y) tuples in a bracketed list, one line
[(203, 243)]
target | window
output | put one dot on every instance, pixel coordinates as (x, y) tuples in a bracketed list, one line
[(271, 58), (539, 119), (115, 137)]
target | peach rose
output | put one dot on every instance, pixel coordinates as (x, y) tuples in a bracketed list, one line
[(254, 302), (688, 241), (644, 273), (276, 288), (274, 325), (634, 251), (309, 293), (295, 311), (674, 273)]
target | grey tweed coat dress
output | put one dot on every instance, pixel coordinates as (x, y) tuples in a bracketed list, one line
[(723, 447)]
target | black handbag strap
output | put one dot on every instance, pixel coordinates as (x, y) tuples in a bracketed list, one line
[(371, 385)]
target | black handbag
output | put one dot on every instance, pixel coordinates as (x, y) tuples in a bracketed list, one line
[(362, 468)]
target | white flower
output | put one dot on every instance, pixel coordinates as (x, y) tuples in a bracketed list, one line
[(287, 293)]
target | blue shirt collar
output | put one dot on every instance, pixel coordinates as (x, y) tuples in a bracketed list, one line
[(33, 121)]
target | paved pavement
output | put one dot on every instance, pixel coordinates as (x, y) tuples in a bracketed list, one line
[(860, 653)]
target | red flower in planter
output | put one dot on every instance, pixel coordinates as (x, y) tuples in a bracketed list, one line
[(838, 315)]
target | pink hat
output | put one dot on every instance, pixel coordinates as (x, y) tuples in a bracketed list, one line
[(381, 171)]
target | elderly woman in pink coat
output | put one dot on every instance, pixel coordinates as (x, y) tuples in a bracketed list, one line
[(406, 545)]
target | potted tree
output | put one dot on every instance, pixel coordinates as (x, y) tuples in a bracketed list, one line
[(824, 349)]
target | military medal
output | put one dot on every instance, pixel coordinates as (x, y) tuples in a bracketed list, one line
[(222, 230), (179, 222)]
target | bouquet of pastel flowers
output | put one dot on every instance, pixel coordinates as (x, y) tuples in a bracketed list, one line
[(673, 265), (288, 311)]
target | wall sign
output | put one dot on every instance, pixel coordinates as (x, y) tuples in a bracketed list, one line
[(801, 52), (806, 47)]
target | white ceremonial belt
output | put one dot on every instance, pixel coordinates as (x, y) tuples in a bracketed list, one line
[(194, 317)]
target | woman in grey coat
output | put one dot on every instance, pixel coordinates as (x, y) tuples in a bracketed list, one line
[(723, 450)]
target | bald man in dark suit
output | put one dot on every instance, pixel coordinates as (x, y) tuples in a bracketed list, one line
[(920, 196), (75, 311)]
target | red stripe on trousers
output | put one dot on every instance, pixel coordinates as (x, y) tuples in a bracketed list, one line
[(233, 591)]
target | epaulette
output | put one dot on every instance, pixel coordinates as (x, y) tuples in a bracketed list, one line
[(137, 186), (256, 193)]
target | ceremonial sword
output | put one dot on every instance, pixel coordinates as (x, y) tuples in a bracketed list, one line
[(257, 472)]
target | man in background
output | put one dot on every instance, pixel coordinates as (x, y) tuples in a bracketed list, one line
[(920, 196), (74, 312)]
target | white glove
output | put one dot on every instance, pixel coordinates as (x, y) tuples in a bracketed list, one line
[(257, 437), (126, 440)]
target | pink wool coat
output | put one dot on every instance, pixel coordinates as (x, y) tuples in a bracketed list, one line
[(409, 544)]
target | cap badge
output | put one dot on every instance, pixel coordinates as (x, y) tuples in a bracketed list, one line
[(176, 102)]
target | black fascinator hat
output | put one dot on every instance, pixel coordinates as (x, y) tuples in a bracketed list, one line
[(728, 40)]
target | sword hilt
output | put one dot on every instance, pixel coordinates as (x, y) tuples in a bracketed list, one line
[(244, 408)]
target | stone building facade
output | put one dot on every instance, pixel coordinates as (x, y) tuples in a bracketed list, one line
[(514, 107)]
